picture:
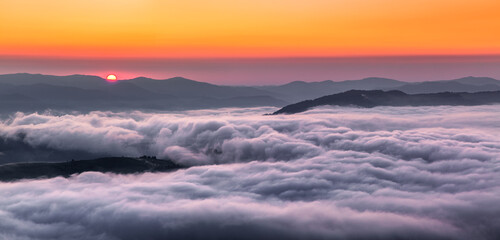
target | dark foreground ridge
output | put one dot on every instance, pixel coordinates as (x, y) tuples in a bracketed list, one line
[(368, 99), (118, 165)]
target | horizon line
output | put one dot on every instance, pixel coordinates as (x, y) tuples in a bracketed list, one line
[(157, 79)]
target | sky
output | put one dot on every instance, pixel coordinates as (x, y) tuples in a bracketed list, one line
[(141, 30)]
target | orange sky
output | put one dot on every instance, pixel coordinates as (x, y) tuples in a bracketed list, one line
[(243, 28)]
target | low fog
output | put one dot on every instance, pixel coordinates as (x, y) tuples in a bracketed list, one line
[(328, 173)]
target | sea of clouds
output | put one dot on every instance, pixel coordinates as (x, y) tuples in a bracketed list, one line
[(329, 173)]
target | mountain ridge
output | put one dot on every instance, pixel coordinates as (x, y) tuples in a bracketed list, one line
[(118, 165), (374, 98), (34, 92)]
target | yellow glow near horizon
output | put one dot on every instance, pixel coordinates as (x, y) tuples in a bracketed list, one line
[(111, 78), (259, 28)]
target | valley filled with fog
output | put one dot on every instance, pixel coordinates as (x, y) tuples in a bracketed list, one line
[(331, 172)]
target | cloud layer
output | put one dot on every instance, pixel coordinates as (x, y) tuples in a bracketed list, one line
[(329, 173)]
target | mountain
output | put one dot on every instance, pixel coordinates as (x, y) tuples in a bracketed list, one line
[(436, 87), (477, 81), (118, 165), (299, 90), (41, 96), (176, 86), (468, 84), (79, 81), (35, 92), (373, 98), (184, 87), (370, 84)]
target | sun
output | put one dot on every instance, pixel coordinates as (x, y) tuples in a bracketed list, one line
[(111, 78)]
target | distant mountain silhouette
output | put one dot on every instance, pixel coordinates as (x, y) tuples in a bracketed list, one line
[(36, 92), (373, 98), (183, 87), (468, 84), (118, 165), (79, 81), (477, 81), (297, 91)]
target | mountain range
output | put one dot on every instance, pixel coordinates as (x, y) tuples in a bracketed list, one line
[(35, 92), (374, 98), (299, 90)]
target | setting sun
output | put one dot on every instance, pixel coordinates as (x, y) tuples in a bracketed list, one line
[(111, 78)]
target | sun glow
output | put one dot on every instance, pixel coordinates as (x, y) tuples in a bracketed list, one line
[(111, 78), (260, 28)]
